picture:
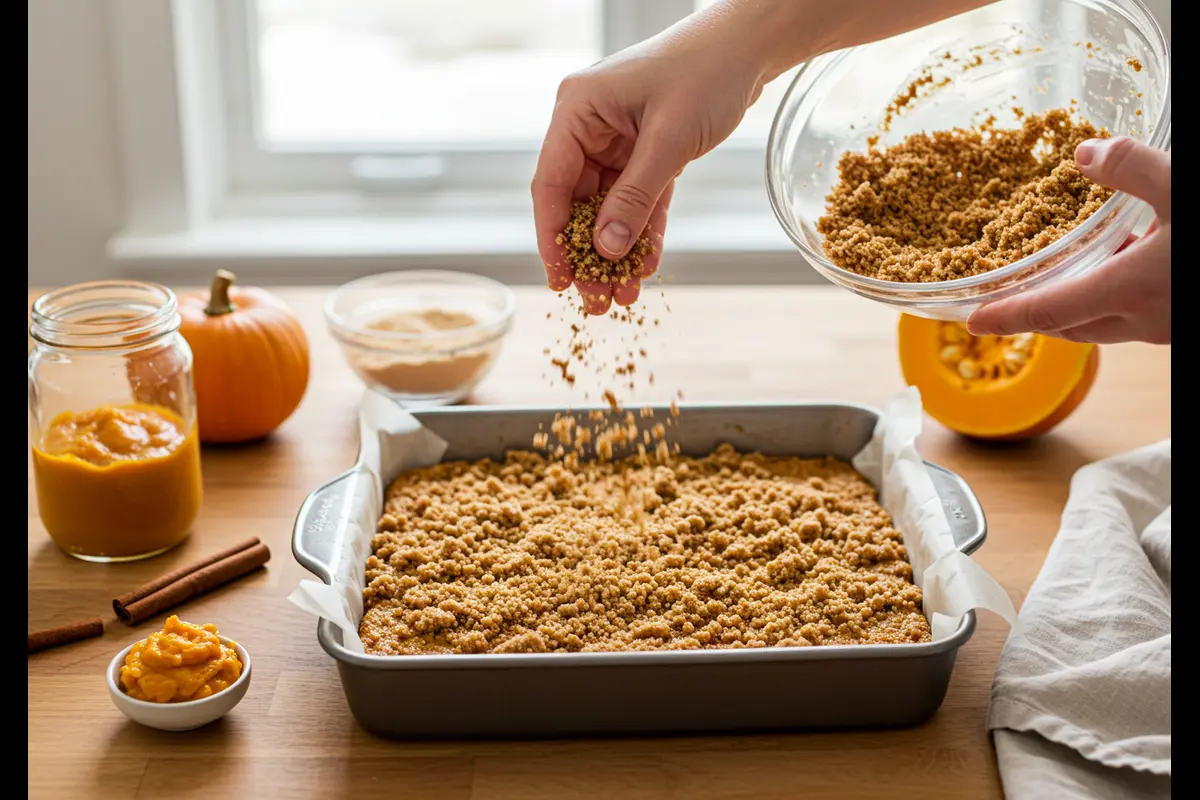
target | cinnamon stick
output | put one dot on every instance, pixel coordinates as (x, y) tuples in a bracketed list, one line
[(179, 574), (183, 584), (65, 634)]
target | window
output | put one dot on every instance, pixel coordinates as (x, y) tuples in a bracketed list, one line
[(397, 73)]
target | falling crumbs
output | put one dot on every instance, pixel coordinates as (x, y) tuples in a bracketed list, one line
[(951, 204), (610, 433)]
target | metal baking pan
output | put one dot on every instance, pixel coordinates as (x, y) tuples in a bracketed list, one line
[(554, 694)]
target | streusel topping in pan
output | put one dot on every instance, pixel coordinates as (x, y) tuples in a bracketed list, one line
[(725, 551)]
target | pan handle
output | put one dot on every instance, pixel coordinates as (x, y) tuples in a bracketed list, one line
[(967, 523), (323, 514)]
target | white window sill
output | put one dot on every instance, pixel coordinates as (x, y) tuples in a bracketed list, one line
[(712, 247)]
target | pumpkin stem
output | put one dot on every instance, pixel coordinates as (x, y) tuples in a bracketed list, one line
[(218, 299)]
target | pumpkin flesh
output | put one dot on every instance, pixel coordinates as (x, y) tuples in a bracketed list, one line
[(994, 387)]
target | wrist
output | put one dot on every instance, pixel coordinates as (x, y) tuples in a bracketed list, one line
[(776, 35)]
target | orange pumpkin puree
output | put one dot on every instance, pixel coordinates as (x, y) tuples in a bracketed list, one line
[(179, 663), (117, 481)]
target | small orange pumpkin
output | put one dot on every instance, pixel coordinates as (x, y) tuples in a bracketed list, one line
[(995, 387), (251, 360)]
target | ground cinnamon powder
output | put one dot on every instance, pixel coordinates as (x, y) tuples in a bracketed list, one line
[(732, 550), (431, 366), (951, 204)]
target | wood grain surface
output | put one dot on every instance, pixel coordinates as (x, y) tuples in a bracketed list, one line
[(293, 735)]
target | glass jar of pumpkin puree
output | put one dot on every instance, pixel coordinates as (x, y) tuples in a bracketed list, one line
[(112, 420)]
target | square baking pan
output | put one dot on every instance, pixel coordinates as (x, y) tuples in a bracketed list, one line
[(555, 694)]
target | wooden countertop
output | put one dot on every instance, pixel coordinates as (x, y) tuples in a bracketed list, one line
[(293, 735)]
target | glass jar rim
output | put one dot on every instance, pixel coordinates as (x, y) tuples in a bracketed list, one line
[(111, 314)]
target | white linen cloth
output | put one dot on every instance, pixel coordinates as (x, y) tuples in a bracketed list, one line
[(1081, 701)]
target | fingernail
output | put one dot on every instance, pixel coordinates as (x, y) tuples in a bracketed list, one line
[(1085, 153), (614, 237)]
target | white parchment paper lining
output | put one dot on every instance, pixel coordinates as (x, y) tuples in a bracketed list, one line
[(393, 441)]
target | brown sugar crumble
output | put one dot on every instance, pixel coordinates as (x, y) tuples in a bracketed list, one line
[(730, 550), (910, 95), (951, 204), (1135, 63), (581, 254)]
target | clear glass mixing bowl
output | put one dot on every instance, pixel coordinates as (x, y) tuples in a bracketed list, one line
[(1033, 54)]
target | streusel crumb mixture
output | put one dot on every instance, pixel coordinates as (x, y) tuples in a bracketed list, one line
[(957, 203), (725, 551), (581, 254)]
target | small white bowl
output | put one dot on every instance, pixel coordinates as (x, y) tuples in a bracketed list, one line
[(179, 716)]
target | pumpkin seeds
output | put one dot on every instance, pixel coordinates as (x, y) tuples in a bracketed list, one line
[(984, 357), (970, 369), (953, 353)]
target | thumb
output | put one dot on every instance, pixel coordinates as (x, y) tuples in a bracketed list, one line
[(1129, 166), (654, 163)]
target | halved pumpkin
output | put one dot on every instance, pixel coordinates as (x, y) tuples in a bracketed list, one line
[(995, 387)]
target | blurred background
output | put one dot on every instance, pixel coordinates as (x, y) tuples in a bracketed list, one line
[(315, 140)]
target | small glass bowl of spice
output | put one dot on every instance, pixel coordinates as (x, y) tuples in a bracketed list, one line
[(948, 180), (424, 338)]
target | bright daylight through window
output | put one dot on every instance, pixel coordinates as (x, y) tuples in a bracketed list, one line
[(409, 72), (457, 76)]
